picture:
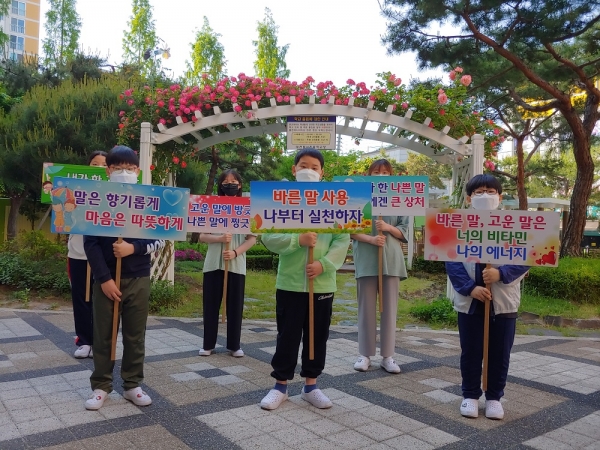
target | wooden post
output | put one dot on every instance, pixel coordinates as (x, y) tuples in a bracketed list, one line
[(311, 310), (88, 275), (224, 314), (486, 335), (115, 329), (380, 274)]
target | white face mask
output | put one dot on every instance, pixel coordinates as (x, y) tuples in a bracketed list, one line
[(485, 201), (124, 176), (307, 175)]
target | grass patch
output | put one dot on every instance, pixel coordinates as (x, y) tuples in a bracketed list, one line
[(545, 306)]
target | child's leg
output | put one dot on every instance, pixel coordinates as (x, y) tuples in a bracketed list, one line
[(102, 377), (212, 287), (387, 339), (470, 328), (323, 309), (291, 312), (136, 292), (235, 309), (502, 336), (82, 310), (366, 290)]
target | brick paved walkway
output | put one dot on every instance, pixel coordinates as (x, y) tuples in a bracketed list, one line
[(552, 399)]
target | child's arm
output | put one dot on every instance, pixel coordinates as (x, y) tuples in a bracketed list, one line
[(210, 238), (231, 254), (399, 231), (336, 254), (460, 279), (281, 243), (93, 252), (100, 270), (137, 247), (507, 274)]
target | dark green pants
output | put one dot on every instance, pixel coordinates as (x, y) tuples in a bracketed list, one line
[(133, 310)]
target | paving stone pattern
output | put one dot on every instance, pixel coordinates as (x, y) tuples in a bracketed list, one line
[(552, 400)]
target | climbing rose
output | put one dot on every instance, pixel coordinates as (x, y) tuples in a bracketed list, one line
[(465, 80)]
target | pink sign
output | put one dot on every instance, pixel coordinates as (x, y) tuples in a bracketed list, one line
[(527, 238), (218, 214)]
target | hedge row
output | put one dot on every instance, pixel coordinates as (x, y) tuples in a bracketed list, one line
[(575, 279)]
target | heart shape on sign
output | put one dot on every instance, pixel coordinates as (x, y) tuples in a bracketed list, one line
[(172, 197)]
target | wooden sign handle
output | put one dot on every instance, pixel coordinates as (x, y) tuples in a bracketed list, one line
[(380, 274), (88, 275), (224, 314), (115, 325), (311, 310), (486, 335)]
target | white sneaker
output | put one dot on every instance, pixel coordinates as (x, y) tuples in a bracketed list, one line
[(494, 410), (316, 398), (237, 354), (389, 365), (362, 364), (137, 397), (96, 400), (83, 351), (470, 407), (203, 352), (273, 400)]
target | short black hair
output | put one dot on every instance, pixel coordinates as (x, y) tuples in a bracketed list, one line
[(309, 151), (224, 175), (94, 154), (483, 181), (122, 155)]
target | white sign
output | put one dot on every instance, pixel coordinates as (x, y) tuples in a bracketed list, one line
[(311, 131)]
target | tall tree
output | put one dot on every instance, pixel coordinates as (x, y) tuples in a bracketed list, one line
[(4, 8), (270, 58), (140, 40), (545, 54), (63, 26), (207, 57)]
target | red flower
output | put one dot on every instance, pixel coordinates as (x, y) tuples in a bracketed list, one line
[(152, 167), (183, 164), (175, 160)]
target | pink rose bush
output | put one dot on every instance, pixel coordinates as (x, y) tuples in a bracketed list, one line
[(175, 104)]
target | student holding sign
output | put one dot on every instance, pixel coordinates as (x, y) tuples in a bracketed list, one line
[(474, 284), (292, 296), (133, 296), (225, 249), (77, 268), (388, 233)]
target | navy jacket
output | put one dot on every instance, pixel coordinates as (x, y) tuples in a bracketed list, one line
[(464, 284), (99, 252)]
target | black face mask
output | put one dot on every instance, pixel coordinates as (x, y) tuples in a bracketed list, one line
[(230, 189)]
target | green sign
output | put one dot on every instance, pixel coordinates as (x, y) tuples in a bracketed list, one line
[(52, 170)]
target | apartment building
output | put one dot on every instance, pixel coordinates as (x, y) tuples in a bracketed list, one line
[(22, 25)]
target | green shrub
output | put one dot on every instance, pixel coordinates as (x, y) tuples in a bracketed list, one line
[(165, 295), (262, 262), (575, 279), (201, 247), (423, 265), (31, 261), (440, 311)]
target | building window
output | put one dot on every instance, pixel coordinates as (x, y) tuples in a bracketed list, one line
[(16, 57), (17, 43), (18, 8), (17, 26)]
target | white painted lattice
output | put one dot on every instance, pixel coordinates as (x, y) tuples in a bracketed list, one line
[(465, 158)]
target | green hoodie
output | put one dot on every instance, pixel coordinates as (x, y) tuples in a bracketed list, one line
[(330, 251)]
